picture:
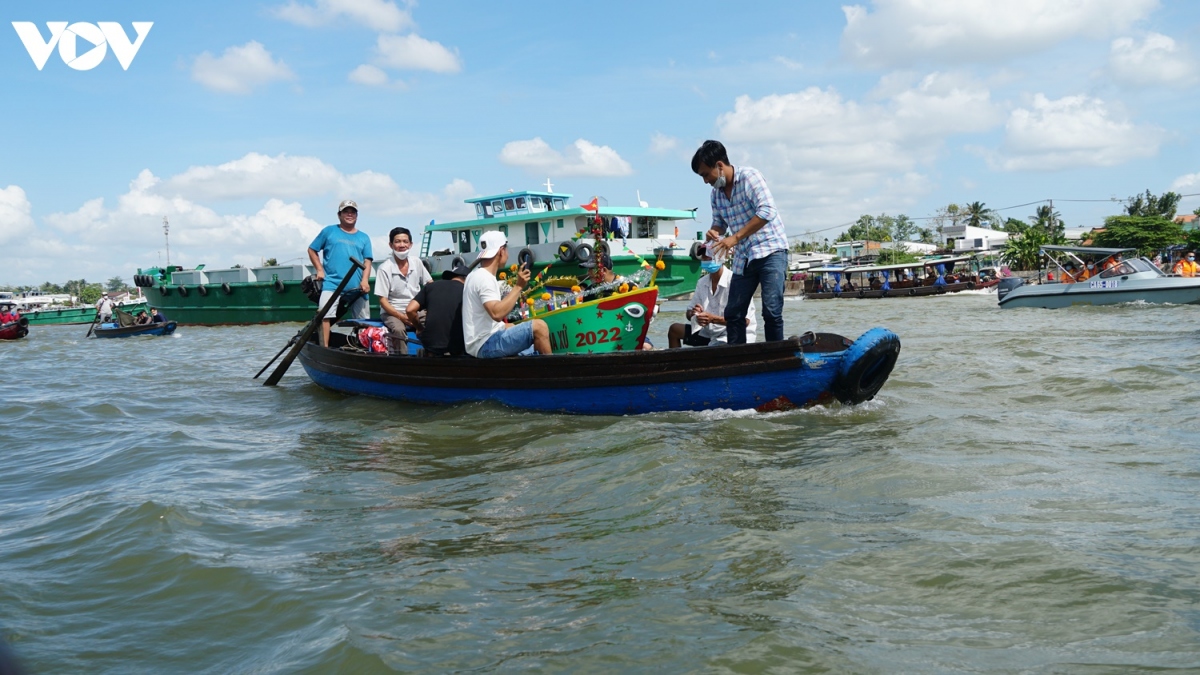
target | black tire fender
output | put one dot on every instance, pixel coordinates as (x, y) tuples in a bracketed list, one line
[(866, 367), (428, 265), (583, 252), (165, 290), (456, 261), (525, 257), (202, 290), (862, 294), (602, 248), (183, 291), (226, 288), (279, 287), (566, 251), (912, 292), (970, 285), (696, 249)]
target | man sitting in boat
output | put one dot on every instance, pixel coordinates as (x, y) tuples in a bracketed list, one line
[(1087, 272), (142, 318), (442, 331), (1070, 274), (1187, 266), (8, 314), (397, 281), (600, 270), (157, 317), (485, 334), (707, 309)]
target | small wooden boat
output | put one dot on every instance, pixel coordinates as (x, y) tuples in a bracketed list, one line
[(14, 330), (112, 330), (801, 371)]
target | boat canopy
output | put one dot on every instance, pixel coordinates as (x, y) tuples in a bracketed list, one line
[(1089, 250)]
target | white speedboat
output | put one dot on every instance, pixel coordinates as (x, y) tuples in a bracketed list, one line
[(1130, 280)]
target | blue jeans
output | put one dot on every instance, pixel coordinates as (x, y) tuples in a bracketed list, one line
[(769, 272), (513, 341)]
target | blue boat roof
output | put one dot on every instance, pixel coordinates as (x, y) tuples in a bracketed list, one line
[(525, 193)]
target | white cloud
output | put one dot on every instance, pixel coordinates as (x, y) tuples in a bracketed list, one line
[(661, 144), (372, 76), (1157, 60), (1186, 184), (1073, 131), (239, 69), (581, 158), (413, 52), (293, 198), (15, 218), (954, 31), (380, 15), (829, 159)]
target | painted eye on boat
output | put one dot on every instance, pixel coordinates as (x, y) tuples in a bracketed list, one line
[(635, 311)]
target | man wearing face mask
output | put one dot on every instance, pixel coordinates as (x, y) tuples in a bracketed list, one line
[(1187, 266), (745, 222), (397, 282), (1087, 272), (706, 311)]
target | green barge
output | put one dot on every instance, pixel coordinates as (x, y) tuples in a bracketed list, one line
[(51, 315)]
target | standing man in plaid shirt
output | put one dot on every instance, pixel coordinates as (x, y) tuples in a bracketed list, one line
[(745, 222)]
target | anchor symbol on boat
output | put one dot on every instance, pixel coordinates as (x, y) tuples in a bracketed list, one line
[(628, 327)]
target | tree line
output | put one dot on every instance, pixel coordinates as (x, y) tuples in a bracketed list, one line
[(87, 292), (1146, 224)]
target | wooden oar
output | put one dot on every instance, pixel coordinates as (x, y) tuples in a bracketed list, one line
[(310, 328), (93, 326)]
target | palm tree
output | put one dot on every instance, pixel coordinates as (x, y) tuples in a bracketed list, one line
[(1049, 222), (979, 215)]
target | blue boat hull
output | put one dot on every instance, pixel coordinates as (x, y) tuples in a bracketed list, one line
[(111, 330), (763, 376)]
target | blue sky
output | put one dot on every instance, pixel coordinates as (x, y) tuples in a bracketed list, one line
[(245, 123)]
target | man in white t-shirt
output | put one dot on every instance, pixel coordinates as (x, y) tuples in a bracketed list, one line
[(706, 311), (483, 309), (397, 281)]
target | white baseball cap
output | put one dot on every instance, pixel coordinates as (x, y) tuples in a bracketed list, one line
[(347, 204), (490, 243)]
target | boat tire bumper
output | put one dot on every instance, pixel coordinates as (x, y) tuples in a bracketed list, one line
[(866, 366)]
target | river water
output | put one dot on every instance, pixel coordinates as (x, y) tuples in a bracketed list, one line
[(1021, 497)]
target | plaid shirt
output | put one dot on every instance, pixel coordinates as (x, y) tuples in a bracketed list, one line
[(750, 197)]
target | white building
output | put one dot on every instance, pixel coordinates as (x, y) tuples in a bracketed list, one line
[(964, 238)]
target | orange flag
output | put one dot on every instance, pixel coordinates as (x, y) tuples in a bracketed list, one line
[(593, 205)]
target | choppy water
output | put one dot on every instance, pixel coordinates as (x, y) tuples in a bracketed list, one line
[(1021, 497)]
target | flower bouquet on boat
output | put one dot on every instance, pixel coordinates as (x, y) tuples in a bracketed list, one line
[(599, 362)]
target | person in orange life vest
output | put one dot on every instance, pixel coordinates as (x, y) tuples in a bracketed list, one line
[(1187, 267), (1068, 276), (1087, 272), (1112, 261)]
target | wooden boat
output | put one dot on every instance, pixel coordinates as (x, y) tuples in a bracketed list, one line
[(112, 330), (895, 281), (14, 330), (813, 369)]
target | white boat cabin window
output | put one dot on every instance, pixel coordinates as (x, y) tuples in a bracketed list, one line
[(520, 202), (497, 207), (481, 210), (536, 205), (558, 205), (509, 205)]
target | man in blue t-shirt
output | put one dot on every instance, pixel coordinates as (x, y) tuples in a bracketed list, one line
[(337, 244)]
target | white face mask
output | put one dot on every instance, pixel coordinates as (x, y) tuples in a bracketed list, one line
[(720, 182)]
